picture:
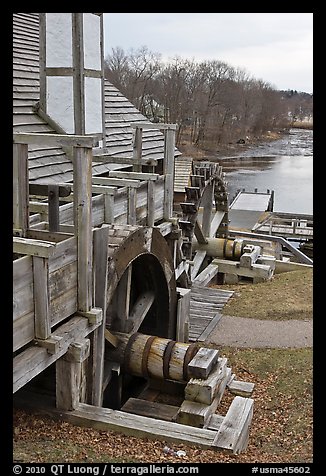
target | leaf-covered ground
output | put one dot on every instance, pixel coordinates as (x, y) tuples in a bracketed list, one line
[(281, 428)]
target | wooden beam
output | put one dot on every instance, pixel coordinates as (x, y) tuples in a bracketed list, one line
[(56, 139), (256, 271), (100, 271), (150, 203), (104, 189), (139, 311), (133, 175), (243, 389), (168, 170), (199, 234), (203, 362), (198, 261), (70, 386), (154, 410), (137, 149), (235, 424), (207, 274), (20, 188), (53, 200), (134, 425), (122, 296), (183, 308), (41, 297), (83, 223), (215, 223), (157, 125), (111, 338), (46, 235), (25, 246), (132, 205), (116, 182), (205, 390), (43, 190), (104, 156)]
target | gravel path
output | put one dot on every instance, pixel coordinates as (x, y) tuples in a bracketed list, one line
[(255, 333)]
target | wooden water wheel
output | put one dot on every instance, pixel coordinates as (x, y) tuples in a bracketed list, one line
[(208, 189), (141, 289)]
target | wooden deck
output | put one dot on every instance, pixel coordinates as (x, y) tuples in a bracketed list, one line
[(287, 225), (206, 305)]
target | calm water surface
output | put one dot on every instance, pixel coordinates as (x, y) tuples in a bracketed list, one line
[(284, 165)]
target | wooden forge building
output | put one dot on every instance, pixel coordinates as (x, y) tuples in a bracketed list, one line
[(110, 284)]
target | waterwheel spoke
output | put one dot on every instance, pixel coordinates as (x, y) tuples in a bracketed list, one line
[(139, 311), (123, 296)]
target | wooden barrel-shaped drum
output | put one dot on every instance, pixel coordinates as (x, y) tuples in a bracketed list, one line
[(156, 357), (221, 248)]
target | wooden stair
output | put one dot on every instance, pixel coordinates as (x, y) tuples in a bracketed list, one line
[(206, 305)]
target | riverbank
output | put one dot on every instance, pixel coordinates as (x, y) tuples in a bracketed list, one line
[(230, 149)]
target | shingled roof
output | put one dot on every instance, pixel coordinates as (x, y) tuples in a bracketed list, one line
[(51, 164)]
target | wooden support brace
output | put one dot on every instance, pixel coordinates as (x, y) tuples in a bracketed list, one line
[(206, 275), (111, 338), (25, 246), (53, 200), (150, 203), (132, 205), (70, 376), (52, 344), (94, 315), (41, 297), (183, 310), (83, 224), (20, 188)]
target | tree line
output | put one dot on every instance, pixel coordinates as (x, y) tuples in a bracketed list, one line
[(212, 102)]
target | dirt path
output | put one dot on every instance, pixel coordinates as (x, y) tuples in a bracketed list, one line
[(257, 333)]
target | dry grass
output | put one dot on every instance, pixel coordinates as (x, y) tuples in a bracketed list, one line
[(286, 296)]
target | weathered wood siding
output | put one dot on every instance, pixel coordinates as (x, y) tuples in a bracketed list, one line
[(23, 304), (51, 164), (63, 281), (62, 291)]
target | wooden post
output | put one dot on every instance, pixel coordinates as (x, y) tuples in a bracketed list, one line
[(41, 297), (132, 204), (96, 361), (150, 203), (53, 201), (183, 310), (109, 208), (20, 188), (70, 377), (168, 170), (83, 224), (78, 78), (137, 149)]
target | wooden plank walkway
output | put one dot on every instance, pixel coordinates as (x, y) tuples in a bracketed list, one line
[(205, 310)]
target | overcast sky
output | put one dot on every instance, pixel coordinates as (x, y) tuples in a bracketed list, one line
[(274, 47)]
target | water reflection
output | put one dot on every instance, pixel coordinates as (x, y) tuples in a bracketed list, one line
[(284, 165)]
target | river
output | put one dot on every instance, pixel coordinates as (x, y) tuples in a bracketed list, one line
[(284, 165)]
